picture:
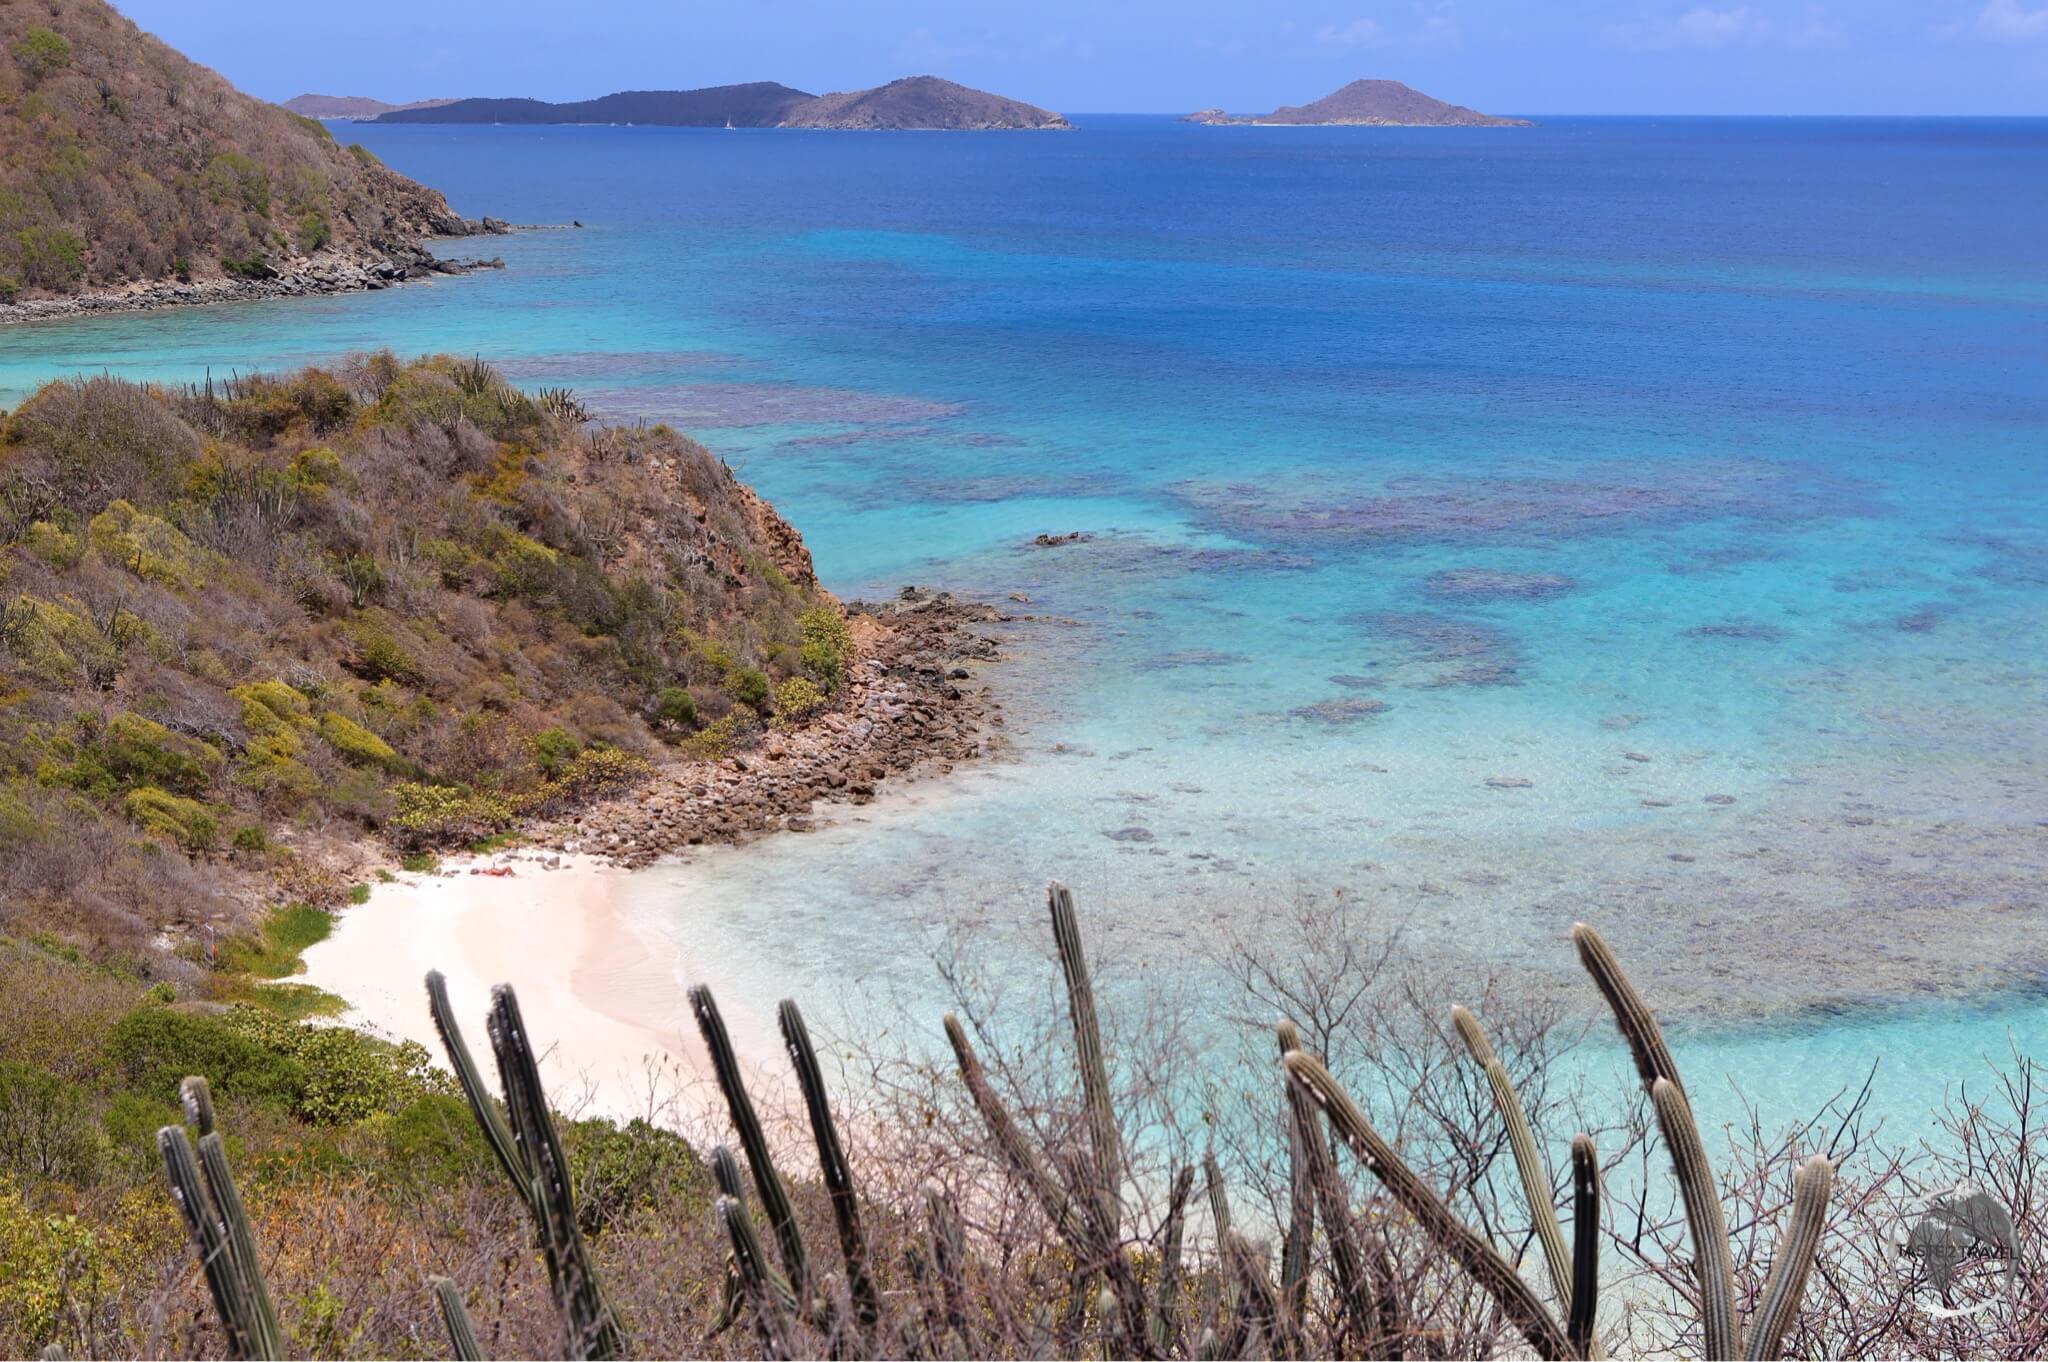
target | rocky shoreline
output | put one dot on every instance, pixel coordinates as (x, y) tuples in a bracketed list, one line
[(910, 708), (311, 277)]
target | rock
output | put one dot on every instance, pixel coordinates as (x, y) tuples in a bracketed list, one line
[(1720, 799), (1050, 541), (1634, 756), (1133, 834), (1510, 782)]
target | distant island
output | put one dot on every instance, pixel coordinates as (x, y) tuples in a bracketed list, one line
[(914, 103), (351, 106), (1364, 103)]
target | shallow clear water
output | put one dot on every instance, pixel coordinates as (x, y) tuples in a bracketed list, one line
[(1413, 460)]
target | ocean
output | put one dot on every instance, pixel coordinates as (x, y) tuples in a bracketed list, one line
[(1637, 520)]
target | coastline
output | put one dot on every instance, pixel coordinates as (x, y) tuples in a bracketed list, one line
[(602, 999), (314, 277), (603, 996)]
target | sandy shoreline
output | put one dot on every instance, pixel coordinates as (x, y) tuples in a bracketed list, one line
[(602, 998)]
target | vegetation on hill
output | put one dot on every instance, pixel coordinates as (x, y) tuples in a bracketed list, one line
[(917, 102), (243, 626), (121, 161), (920, 102), (756, 104), (1382, 103), (351, 106)]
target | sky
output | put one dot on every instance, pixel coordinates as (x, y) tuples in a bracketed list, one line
[(1165, 56)]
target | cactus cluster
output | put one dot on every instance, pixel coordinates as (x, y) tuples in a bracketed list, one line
[(797, 1310)]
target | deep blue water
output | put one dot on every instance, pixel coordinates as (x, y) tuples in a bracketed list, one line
[(1620, 463)]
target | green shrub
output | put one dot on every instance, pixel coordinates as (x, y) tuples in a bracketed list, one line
[(796, 697), (47, 1128), (40, 51), (130, 1123), (525, 567), (381, 657), (50, 257), (434, 1140), (675, 708), (359, 744), (187, 822), (715, 739), (826, 645), (272, 707), (622, 1170), (432, 815), (233, 178), (597, 772), (320, 467), (553, 749), (748, 686), (363, 154), (284, 935), (349, 1076), (250, 837), (154, 1048), (131, 753), (54, 546), (150, 547)]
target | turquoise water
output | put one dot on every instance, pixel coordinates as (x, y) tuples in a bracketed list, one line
[(1634, 520)]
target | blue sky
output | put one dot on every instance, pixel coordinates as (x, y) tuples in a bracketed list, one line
[(1508, 56)]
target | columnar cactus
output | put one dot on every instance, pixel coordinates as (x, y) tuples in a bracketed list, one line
[(204, 1191), (530, 1152)]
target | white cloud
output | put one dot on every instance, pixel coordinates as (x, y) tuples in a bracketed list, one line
[(1702, 26), (2007, 22), (1357, 33), (1440, 29)]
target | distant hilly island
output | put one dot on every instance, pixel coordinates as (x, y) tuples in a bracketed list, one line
[(1364, 103), (913, 103), (351, 106)]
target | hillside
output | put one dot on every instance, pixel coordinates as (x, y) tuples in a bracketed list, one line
[(351, 106), (921, 102), (1382, 103), (917, 102), (757, 104), (243, 630), (123, 164)]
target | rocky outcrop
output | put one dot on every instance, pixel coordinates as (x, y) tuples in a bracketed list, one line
[(311, 277), (910, 706)]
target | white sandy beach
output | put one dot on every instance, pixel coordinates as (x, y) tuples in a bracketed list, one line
[(602, 999)]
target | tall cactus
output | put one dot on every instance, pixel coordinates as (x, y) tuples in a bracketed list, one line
[(204, 1190), (461, 1337), (530, 1152), (1103, 1138), (1713, 1261), (1360, 1313), (1579, 1326), (838, 1177), (774, 1194), (1494, 1274), (1083, 1198), (1529, 1164), (1810, 1186), (1638, 1025), (1166, 1295)]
